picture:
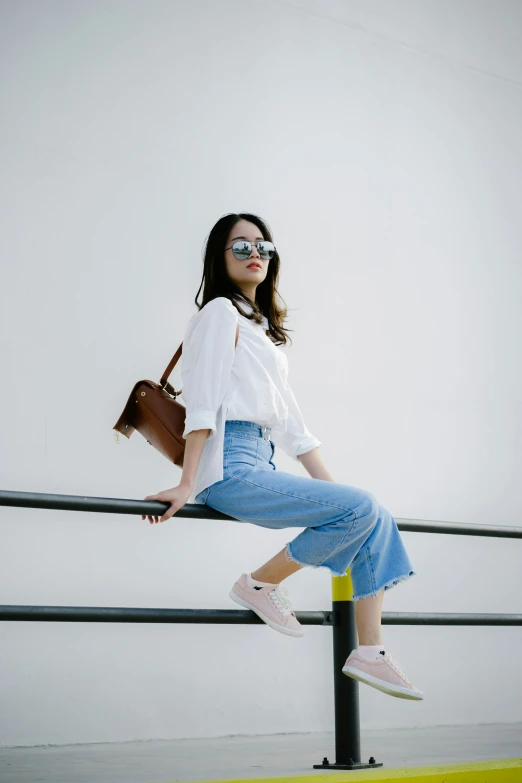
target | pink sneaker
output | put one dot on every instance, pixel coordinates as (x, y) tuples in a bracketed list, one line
[(271, 604), (381, 673)]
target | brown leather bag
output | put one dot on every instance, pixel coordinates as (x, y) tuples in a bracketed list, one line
[(152, 410)]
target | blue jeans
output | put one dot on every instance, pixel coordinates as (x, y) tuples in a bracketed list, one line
[(344, 526)]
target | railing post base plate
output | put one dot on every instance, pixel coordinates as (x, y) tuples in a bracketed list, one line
[(349, 764)]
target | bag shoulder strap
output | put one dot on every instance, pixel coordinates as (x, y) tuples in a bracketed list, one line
[(164, 378)]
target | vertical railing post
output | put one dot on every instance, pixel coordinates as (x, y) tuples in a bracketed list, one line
[(346, 689)]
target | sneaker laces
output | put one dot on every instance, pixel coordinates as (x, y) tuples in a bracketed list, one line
[(389, 659), (280, 598)]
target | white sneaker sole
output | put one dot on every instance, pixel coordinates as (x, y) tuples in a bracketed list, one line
[(382, 685), (275, 626)]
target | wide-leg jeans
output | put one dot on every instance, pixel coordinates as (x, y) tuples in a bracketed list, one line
[(344, 526)]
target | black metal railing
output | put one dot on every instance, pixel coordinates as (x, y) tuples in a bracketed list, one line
[(341, 617)]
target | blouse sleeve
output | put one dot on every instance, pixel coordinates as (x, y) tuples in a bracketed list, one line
[(296, 438), (206, 362)]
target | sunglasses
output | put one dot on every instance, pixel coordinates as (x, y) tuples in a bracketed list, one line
[(243, 249)]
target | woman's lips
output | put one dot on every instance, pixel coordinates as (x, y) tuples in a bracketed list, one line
[(254, 266)]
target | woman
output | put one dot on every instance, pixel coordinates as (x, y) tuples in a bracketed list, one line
[(239, 406)]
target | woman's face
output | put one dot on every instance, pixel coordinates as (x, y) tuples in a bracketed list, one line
[(246, 276)]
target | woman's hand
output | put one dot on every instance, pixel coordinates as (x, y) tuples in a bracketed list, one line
[(177, 497)]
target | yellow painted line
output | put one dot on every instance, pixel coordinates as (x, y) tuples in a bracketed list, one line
[(342, 587), (494, 771)]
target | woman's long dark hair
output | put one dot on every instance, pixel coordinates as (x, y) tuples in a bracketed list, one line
[(216, 282)]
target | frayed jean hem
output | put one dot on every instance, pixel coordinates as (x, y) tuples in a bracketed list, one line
[(387, 586), (290, 557)]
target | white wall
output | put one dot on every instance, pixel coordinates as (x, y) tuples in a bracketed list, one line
[(382, 142)]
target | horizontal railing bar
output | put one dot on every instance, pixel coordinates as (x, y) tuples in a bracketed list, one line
[(116, 614), (458, 528), (451, 618), (195, 511), (104, 505)]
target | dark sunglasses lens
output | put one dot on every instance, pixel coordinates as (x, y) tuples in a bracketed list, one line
[(265, 249), (243, 249)]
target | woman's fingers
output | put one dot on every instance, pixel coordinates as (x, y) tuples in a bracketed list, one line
[(151, 519), (169, 498)]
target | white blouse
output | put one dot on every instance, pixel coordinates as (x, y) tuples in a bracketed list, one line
[(249, 381)]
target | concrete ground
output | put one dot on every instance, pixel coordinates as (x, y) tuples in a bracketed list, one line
[(241, 758)]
